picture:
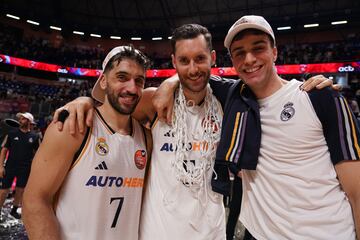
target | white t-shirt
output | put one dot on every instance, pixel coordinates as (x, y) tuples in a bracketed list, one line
[(294, 193), (171, 210)]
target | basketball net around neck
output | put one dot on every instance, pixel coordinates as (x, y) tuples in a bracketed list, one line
[(209, 135)]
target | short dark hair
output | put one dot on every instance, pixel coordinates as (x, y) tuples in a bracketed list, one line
[(254, 31), (129, 52), (190, 31)]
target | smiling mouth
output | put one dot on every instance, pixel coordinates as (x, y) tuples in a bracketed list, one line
[(195, 78), (129, 100), (251, 70)]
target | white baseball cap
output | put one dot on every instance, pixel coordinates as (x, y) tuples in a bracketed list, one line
[(26, 115), (247, 22), (98, 93)]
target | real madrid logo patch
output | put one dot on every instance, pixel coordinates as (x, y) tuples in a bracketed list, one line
[(101, 147), (288, 112)]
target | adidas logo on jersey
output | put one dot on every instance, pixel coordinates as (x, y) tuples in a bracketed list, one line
[(102, 166), (169, 134)]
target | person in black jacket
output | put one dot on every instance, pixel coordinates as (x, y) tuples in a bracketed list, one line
[(18, 149)]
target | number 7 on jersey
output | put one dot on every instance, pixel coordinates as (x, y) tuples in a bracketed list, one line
[(116, 217)]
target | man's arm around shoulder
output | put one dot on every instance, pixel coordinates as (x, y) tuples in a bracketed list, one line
[(48, 171)]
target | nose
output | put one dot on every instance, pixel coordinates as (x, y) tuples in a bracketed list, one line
[(249, 58), (132, 87), (193, 68)]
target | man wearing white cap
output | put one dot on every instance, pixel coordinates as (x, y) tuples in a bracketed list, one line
[(21, 144), (89, 185), (299, 159)]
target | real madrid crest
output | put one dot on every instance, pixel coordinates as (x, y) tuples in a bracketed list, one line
[(288, 112), (101, 147)]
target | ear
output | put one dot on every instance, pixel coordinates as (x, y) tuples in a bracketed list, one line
[(275, 52), (103, 82), (213, 57), (173, 60)]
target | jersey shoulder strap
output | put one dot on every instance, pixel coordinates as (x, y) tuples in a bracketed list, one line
[(149, 147)]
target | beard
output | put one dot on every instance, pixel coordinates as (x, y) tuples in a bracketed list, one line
[(188, 85), (121, 108)]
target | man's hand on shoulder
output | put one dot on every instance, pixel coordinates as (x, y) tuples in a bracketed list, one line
[(80, 114), (319, 82)]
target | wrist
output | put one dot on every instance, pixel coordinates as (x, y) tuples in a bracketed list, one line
[(172, 82)]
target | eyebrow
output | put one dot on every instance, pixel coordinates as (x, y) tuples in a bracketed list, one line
[(255, 43), (122, 72), (259, 42), (181, 56), (126, 73)]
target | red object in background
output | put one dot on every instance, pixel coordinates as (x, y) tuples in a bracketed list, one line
[(164, 73)]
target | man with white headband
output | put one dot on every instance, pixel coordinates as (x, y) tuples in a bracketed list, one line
[(89, 185)]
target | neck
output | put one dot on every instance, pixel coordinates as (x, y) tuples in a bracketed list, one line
[(120, 123), (196, 97), (269, 87)]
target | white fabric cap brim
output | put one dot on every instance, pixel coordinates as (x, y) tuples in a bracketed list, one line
[(232, 33)]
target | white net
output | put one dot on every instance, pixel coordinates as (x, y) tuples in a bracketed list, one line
[(195, 176)]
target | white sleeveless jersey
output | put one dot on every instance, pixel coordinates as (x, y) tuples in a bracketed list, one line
[(101, 195), (170, 209)]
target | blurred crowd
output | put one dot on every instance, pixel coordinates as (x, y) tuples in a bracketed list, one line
[(40, 49)]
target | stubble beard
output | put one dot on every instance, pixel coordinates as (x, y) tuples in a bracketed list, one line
[(114, 103)]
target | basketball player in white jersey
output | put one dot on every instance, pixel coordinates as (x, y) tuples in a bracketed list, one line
[(89, 186), (179, 203)]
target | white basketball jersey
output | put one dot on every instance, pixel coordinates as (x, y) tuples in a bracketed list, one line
[(101, 195), (170, 209)]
